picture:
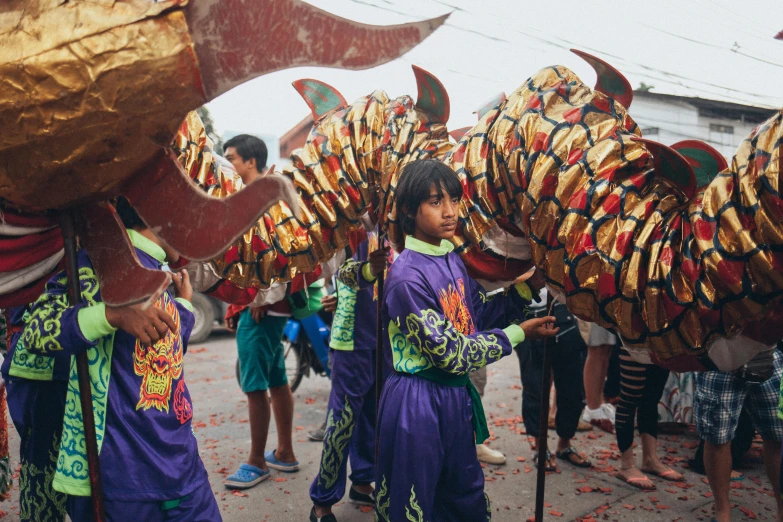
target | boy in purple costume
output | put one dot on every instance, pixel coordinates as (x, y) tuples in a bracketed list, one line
[(435, 313), (350, 427), (150, 466)]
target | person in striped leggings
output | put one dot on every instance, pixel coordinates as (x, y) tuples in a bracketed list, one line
[(641, 386)]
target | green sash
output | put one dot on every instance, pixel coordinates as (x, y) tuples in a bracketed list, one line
[(458, 381)]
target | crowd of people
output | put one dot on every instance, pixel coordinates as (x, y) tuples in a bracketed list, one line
[(420, 451)]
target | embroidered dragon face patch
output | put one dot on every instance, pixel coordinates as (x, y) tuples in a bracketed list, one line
[(160, 363)]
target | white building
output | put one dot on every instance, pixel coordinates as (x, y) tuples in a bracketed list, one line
[(669, 119)]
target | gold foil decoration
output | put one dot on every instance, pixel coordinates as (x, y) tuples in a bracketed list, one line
[(79, 82)]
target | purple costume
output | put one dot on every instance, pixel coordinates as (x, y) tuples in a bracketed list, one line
[(350, 427), (441, 326), (150, 465)]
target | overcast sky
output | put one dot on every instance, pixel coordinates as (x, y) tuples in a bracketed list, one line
[(717, 49)]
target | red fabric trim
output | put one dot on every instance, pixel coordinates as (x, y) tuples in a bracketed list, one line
[(24, 251), (20, 219), (484, 266)]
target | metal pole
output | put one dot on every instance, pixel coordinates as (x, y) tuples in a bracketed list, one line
[(543, 428), (67, 226), (378, 347)]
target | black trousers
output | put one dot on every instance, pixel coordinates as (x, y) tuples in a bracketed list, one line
[(568, 359)]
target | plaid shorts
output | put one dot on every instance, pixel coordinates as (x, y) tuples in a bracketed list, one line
[(719, 399)]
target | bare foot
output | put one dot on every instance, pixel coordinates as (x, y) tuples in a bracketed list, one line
[(636, 478), (659, 469)]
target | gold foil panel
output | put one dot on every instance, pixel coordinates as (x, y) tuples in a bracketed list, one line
[(90, 92)]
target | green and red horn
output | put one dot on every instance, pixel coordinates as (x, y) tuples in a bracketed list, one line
[(670, 164), (609, 80), (490, 104), (321, 97), (705, 160), (432, 97)]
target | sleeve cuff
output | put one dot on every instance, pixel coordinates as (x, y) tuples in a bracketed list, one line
[(367, 273), (524, 291), (184, 302), (93, 323), (515, 334)]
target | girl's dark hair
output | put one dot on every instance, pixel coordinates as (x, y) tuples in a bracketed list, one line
[(128, 214), (416, 179)]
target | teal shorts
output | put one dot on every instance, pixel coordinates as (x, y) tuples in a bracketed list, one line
[(261, 357)]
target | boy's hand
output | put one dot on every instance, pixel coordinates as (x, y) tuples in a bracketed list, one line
[(231, 323), (378, 260), (329, 303), (182, 286), (148, 325), (257, 313), (539, 328)]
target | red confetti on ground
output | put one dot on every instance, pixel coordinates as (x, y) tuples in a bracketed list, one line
[(280, 479), (748, 513), (197, 350), (661, 506), (520, 459), (629, 507), (309, 400), (585, 489), (556, 513), (707, 494), (238, 493)]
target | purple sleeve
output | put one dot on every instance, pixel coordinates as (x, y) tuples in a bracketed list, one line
[(350, 272), (497, 310), (186, 323), (419, 332), (53, 325)]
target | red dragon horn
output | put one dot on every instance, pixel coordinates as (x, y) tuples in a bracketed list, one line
[(490, 104), (609, 80), (670, 164), (124, 281), (432, 97), (194, 224), (779, 36), (238, 40), (457, 134), (321, 97), (705, 160)]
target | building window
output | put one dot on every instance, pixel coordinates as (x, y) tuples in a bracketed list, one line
[(721, 134), (650, 131)]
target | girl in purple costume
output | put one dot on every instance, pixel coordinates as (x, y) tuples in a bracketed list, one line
[(440, 326)]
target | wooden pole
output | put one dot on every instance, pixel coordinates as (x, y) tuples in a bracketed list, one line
[(378, 347), (543, 428), (67, 226)]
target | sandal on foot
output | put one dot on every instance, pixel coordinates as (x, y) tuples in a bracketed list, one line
[(636, 482), (272, 462), (568, 455), (738, 478), (549, 466), (669, 474), (246, 477)]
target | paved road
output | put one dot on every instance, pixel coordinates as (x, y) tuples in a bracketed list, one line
[(220, 419)]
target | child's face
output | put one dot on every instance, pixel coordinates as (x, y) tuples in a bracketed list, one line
[(436, 218)]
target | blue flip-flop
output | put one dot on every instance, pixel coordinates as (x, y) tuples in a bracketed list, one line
[(246, 477), (272, 462)]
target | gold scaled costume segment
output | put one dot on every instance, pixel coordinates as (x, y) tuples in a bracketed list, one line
[(624, 245), (347, 152), (556, 165)]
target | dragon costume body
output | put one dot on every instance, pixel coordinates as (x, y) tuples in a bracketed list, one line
[(672, 248)]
